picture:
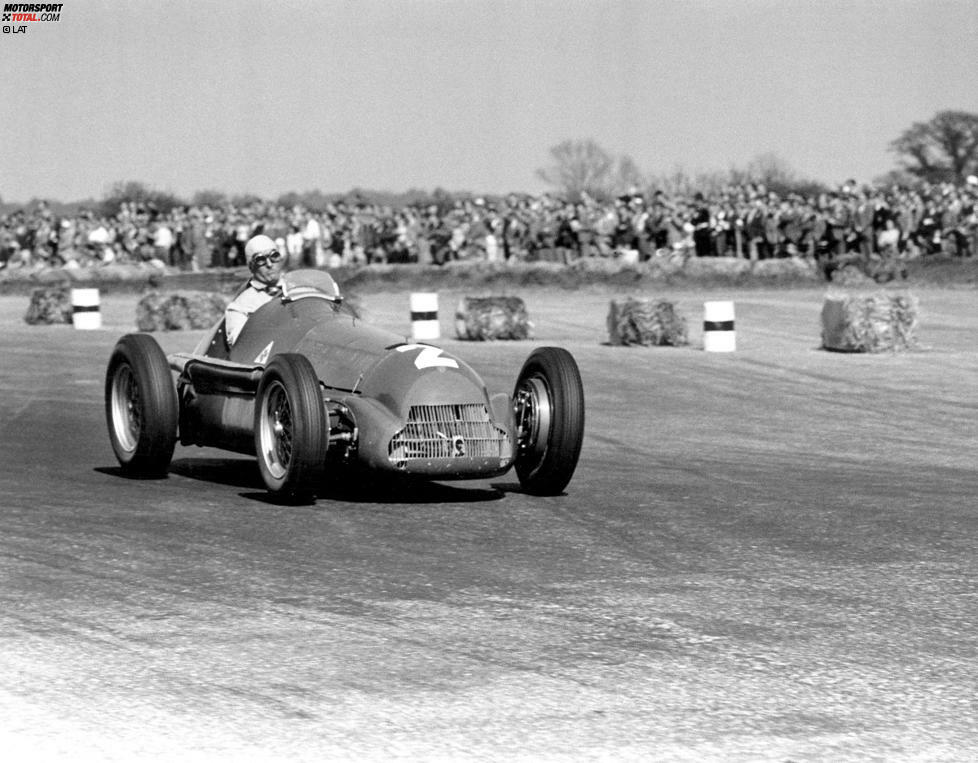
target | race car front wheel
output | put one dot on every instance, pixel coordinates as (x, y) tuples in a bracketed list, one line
[(141, 406), (291, 434), (549, 408)]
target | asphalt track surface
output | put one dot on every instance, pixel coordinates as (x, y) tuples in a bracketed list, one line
[(764, 555)]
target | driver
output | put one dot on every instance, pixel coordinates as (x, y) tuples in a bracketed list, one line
[(265, 262)]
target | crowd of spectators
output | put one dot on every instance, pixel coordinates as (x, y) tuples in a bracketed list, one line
[(748, 221)]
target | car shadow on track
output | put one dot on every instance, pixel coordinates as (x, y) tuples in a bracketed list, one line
[(515, 487), (403, 491), (343, 485), (115, 471), (236, 472)]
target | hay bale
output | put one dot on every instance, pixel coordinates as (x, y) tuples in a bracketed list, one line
[(850, 274), (483, 318), (869, 323), (177, 311), (149, 312), (787, 269), (729, 268), (49, 305), (646, 322)]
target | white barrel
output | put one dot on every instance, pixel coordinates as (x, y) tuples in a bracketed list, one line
[(718, 327), (424, 316), (85, 309)]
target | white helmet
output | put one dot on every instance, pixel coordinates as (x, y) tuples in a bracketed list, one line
[(259, 244)]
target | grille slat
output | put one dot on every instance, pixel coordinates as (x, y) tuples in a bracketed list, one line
[(433, 431)]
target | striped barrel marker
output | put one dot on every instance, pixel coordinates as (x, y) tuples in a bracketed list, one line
[(424, 316), (85, 309), (718, 327)]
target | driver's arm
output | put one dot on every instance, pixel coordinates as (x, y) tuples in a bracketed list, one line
[(240, 309)]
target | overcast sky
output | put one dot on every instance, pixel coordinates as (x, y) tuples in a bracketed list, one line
[(268, 97)]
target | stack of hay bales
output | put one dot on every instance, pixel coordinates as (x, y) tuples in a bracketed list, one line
[(646, 322), (850, 274), (49, 305), (869, 323), (485, 318), (176, 311), (787, 269), (725, 268)]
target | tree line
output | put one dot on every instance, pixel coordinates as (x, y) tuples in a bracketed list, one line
[(943, 149)]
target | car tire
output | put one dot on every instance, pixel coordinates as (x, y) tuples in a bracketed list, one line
[(141, 406), (549, 406), (291, 428)]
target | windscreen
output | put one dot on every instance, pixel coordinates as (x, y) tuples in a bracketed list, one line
[(319, 280)]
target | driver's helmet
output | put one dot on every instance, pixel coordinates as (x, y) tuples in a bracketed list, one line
[(260, 244)]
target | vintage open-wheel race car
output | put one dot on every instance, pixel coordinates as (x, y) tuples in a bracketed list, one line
[(308, 387)]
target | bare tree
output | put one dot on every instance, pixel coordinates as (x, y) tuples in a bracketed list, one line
[(628, 177), (209, 198), (676, 183), (135, 192), (771, 170), (943, 149), (579, 166)]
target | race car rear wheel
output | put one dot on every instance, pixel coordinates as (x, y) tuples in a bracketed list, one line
[(291, 428), (141, 407), (549, 407)]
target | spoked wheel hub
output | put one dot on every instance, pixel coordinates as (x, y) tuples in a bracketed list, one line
[(126, 418), (276, 430), (534, 413)]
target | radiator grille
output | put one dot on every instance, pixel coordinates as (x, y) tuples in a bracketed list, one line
[(447, 431)]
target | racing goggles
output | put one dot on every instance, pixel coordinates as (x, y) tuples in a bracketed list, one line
[(261, 260)]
